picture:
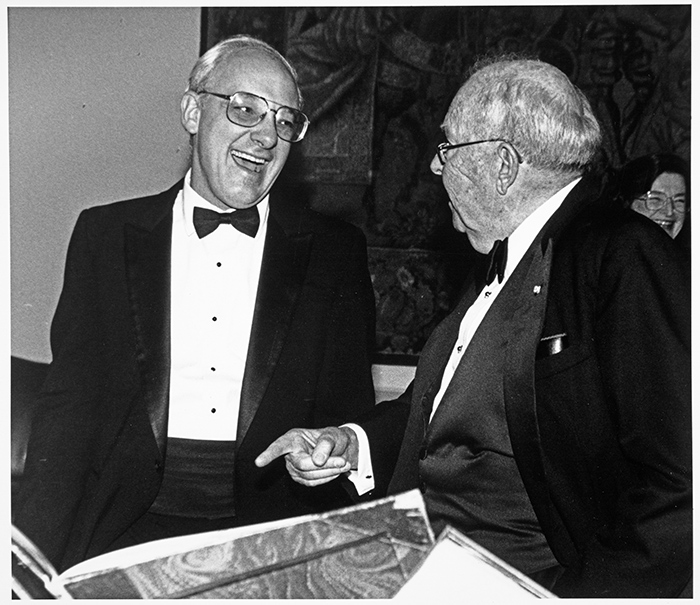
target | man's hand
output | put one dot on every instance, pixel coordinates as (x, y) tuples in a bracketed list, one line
[(314, 456)]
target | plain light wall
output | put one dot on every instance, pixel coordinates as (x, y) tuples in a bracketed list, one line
[(94, 99)]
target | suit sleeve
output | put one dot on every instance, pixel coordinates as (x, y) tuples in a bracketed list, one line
[(385, 427), (642, 343)]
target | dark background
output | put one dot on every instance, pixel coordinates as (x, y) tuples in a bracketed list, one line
[(377, 83)]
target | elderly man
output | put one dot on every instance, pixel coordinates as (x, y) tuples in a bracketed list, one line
[(182, 346), (549, 418)]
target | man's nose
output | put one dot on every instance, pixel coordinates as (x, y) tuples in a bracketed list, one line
[(265, 133), (436, 165)]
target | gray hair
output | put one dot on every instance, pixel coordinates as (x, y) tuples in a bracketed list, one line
[(206, 64), (535, 106)]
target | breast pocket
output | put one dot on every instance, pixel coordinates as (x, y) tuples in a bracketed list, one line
[(555, 355)]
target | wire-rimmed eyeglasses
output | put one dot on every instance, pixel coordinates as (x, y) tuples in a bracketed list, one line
[(247, 109), (443, 147), (656, 200)]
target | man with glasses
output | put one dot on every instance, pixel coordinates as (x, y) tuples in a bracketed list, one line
[(195, 327), (549, 418)]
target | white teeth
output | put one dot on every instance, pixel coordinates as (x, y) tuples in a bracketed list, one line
[(250, 158)]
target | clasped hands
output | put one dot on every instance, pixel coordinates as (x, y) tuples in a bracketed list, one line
[(314, 456)]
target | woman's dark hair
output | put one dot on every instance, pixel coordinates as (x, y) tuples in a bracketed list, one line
[(636, 177)]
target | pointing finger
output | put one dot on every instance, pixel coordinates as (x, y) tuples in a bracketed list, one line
[(281, 446)]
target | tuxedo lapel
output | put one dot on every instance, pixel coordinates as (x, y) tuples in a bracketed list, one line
[(284, 265), (439, 347), (527, 309), (431, 367), (147, 246), (520, 396)]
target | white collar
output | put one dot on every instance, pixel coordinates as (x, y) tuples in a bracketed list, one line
[(190, 199), (525, 233)]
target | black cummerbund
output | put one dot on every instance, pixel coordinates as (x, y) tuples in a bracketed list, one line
[(197, 479)]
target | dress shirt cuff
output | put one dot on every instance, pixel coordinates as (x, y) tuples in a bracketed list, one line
[(363, 477)]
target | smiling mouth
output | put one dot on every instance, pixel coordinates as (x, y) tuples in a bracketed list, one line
[(665, 224), (251, 162)]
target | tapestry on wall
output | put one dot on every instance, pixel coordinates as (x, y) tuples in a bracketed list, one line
[(377, 83)]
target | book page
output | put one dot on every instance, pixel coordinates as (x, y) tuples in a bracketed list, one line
[(457, 566), (364, 551), (33, 575), (151, 551)]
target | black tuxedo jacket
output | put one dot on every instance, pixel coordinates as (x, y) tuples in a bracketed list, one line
[(600, 422), (96, 451)]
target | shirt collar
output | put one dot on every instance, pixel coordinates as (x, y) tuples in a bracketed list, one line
[(190, 199), (523, 236)]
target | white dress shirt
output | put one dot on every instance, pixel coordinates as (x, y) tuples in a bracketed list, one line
[(213, 289), (518, 243)]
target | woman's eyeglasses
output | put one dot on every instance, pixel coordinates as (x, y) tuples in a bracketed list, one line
[(656, 200)]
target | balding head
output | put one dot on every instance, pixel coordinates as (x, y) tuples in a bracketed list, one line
[(533, 105)]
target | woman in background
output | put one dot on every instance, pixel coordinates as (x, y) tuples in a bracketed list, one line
[(658, 186)]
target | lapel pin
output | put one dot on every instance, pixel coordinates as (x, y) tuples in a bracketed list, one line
[(536, 290)]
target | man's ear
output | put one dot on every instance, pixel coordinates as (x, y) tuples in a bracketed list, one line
[(190, 112), (508, 171)]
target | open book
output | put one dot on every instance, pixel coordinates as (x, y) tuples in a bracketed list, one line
[(375, 550)]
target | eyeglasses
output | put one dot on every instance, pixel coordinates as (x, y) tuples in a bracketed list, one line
[(656, 200), (443, 147), (247, 109)]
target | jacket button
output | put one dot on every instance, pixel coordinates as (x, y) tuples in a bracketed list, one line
[(422, 486), (159, 467)]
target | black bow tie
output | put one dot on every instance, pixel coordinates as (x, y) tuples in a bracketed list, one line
[(246, 220), (497, 261)]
